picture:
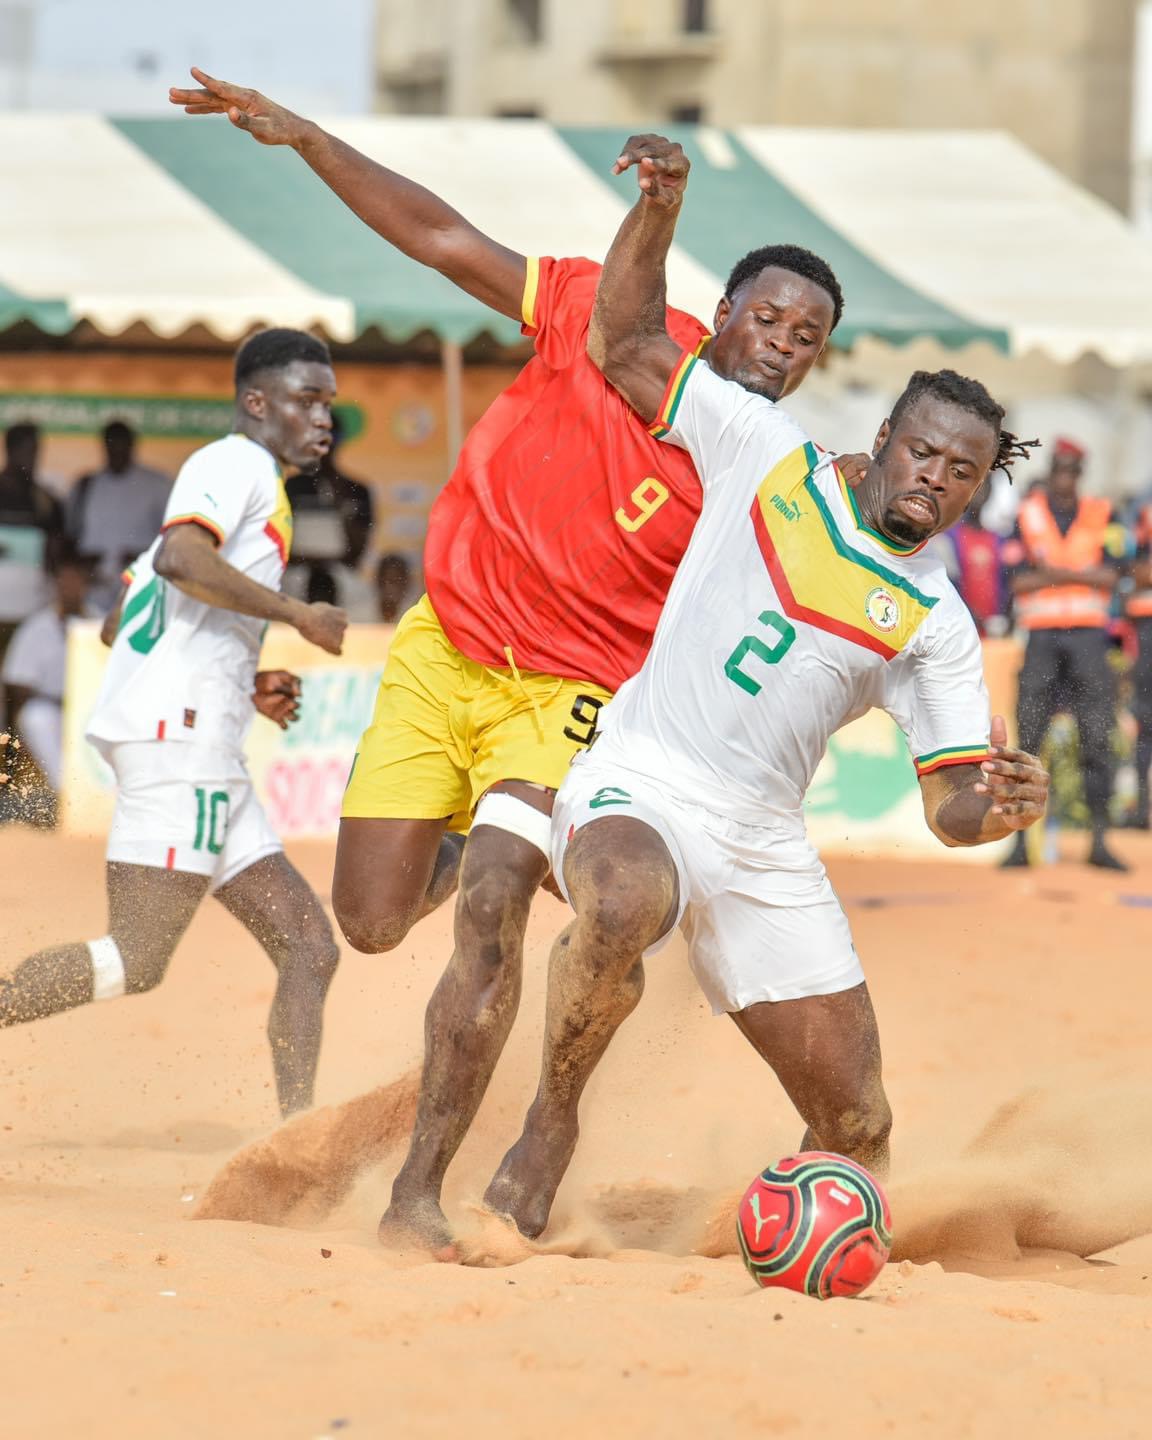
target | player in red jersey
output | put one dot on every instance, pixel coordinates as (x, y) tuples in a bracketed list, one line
[(548, 558)]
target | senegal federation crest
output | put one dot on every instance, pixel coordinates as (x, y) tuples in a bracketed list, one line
[(882, 609)]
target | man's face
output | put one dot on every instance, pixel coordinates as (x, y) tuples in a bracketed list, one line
[(928, 468), (294, 406), (23, 453), (770, 334), (1064, 478), (119, 446), (71, 589), (391, 588)]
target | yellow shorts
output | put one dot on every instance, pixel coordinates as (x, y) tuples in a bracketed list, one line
[(446, 729)]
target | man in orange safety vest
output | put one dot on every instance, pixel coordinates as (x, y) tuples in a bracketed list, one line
[(1066, 558), (1139, 610)]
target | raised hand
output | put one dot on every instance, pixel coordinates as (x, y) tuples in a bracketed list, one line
[(264, 120), (1015, 781), (663, 167), (277, 695)]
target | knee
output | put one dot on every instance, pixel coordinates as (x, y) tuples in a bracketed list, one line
[(143, 957), (493, 909), (371, 932), (143, 971), (318, 952), (625, 918)]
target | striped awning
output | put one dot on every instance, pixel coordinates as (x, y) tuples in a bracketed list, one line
[(177, 222)]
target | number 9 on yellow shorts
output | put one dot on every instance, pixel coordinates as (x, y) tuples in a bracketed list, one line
[(446, 729)]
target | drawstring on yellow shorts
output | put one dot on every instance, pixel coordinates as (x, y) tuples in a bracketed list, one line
[(532, 700)]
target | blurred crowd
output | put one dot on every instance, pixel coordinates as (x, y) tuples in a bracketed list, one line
[(1071, 577), (62, 556)]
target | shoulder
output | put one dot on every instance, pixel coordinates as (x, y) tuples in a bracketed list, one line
[(40, 622), (766, 416), (948, 631), (231, 455)]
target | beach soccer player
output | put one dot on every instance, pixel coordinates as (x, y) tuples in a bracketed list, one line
[(171, 717), (547, 561), (799, 606)]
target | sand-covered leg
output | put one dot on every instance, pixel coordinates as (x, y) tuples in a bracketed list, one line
[(465, 1028), (623, 886)]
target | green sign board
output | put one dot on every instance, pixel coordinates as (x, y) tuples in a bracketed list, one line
[(189, 417)]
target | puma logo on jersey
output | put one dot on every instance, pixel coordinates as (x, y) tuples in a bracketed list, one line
[(788, 508)]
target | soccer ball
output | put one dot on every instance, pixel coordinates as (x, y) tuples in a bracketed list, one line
[(817, 1223)]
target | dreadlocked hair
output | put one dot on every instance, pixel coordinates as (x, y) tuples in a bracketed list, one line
[(968, 395)]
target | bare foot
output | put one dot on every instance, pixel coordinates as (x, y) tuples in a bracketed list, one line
[(493, 1241), (419, 1225), (525, 1185)]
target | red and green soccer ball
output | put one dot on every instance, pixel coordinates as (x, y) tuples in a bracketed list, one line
[(816, 1222)]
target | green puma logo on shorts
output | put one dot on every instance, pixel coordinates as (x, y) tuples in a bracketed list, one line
[(609, 795)]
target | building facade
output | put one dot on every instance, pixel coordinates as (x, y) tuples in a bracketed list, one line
[(1058, 74)]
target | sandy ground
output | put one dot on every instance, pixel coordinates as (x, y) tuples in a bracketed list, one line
[(1017, 1019)]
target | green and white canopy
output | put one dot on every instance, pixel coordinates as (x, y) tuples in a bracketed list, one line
[(178, 222)]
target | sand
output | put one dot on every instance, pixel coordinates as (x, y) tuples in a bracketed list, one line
[(1017, 1019)]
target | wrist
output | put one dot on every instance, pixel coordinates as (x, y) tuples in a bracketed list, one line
[(294, 613), (306, 137)]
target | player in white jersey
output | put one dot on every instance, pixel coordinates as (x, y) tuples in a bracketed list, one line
[(798, 606), (173, 712)]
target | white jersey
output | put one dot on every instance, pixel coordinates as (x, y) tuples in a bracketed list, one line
[(787, 618), (180, 669)]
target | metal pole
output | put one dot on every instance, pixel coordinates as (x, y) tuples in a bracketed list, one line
[(453, 360)]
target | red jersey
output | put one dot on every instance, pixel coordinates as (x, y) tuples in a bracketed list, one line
[(563, 523)]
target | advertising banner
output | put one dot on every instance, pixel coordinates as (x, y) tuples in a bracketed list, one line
[(864, 799), (299, 773)]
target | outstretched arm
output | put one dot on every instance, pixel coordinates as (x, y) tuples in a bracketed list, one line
[(628, 337), (405, 214), (975, 804)]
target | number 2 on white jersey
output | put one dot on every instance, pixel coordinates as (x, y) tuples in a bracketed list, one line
[(753, 645), (647, 497)]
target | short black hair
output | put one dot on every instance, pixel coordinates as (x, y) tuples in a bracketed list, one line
[(275, 350), (21, 433), (789, 257), (966, 394), (393, 561), (119, 428), (68, 557)]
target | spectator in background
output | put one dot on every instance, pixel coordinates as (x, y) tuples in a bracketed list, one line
[(975, 566), (393, 578), (1138, 608), (332, 519), (321, 588), (1065, 559), (33, 671), (115, 513), (31, 528)]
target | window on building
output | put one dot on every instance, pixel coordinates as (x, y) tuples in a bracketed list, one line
[(417, 97), (526, 20), (517, 112), (687, 114), (694, 16)]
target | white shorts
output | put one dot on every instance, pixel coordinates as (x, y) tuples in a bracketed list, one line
[(756, 905), (186, 807)]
